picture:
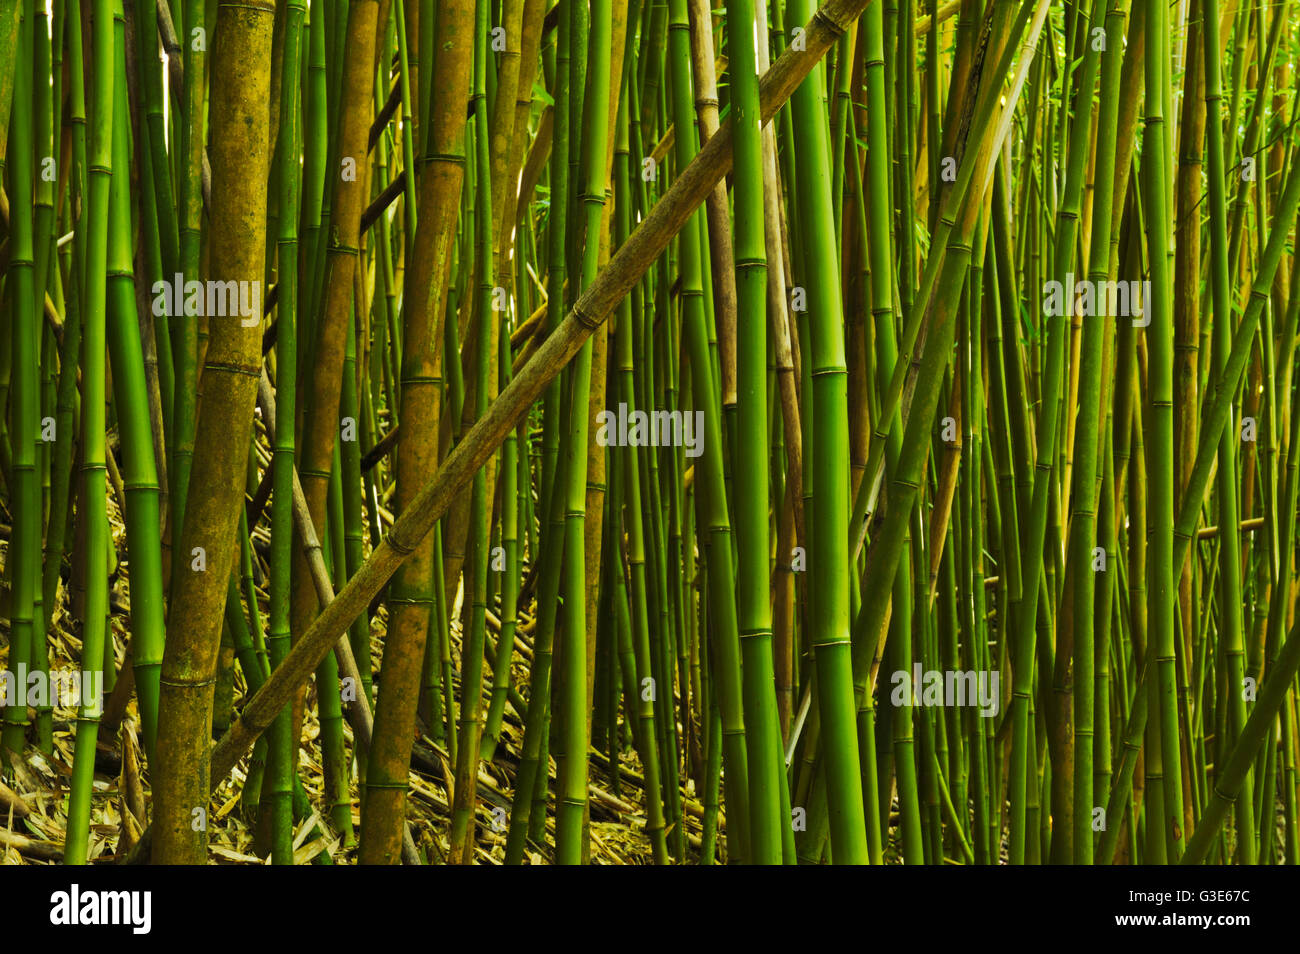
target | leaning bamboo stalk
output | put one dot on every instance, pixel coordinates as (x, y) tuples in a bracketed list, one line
[(1272, 695)]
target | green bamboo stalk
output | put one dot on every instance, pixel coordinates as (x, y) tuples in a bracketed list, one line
[(25, 318), (281, 756), (713, 500), (754, 614), (144, 527), (1160, 350), (94, 634), (1087, 465), (829, 551), (1230, 631)]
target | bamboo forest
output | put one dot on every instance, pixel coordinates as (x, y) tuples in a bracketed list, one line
[(649, 432)]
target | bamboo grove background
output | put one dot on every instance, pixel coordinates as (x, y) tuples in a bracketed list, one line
[(367, 574)]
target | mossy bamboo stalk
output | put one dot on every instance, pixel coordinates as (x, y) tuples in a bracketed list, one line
[(240, 158), (421, 402)]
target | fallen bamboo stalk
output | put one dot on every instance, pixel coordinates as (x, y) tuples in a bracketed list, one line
[(44, 850), (11, 801)]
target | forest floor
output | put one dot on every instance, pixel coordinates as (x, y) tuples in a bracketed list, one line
[(34, 788)]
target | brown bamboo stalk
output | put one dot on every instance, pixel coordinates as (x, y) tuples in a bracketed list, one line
[(716, 208), (240, 163), (417, 451), (320, 426)]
